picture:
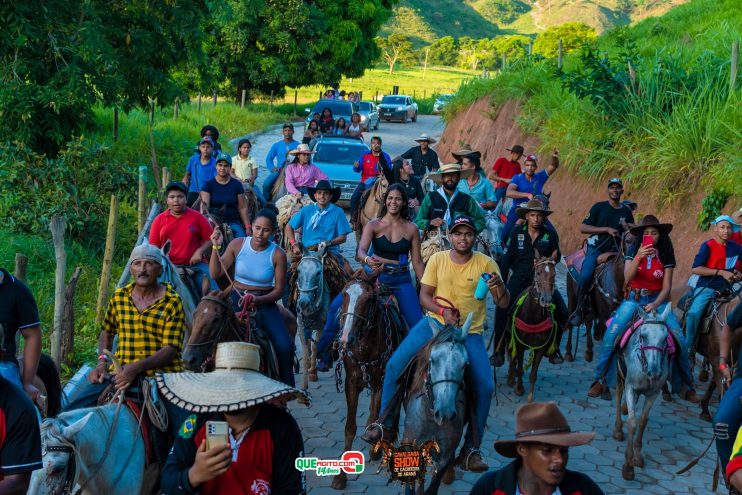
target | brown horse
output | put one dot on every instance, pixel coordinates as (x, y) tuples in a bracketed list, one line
[(372, 201), (532, 324), (371, 328)]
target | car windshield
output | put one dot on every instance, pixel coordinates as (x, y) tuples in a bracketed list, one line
[(336, 107), (364, 106), (394, 100), (340, 153)]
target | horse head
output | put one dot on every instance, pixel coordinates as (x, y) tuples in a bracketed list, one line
[(447, 360), (211, 318), (310, 282), (58, 455), (544, 278), (544, 199), (493, 233), (653, 344), (358, 309)]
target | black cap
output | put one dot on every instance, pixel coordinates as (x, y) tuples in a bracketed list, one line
[(615, 180), (516, 149), (176, 184), (465, 220), (289, 125)]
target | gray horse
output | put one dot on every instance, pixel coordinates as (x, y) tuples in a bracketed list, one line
[(312, 305), (644, 368), (96, 449), (489, 241), (435, 404)]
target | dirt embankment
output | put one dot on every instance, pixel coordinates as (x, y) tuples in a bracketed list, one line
[(490, 131)]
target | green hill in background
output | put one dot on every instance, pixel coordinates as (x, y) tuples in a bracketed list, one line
[(426, 20)]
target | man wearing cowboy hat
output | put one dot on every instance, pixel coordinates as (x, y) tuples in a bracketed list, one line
[(371, 164), (277, 157), (320, 222), (300, 174), (529, 241), (504, 169), (445, 203), (263, 441), (476, 185), (541, 451), (423, 158)]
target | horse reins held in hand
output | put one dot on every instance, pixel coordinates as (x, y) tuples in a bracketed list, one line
[(444, 304)]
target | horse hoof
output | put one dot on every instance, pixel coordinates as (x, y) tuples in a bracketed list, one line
[(703, 376), (618, 435), (339, 482), (519, 390), (706, 416), (569, 357), (312, 376), (511, 381), (638, 462), (624, 409), (530, 398), (589, 356), (666, 396), (627, 472), (449, 476)]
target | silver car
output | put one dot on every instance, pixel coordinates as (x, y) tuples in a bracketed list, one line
[(440, 102), (398, 107), (369, 115)]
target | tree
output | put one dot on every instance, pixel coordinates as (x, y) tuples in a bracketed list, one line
[(444, 51), (574, 35), (396, 48), (503, 11)]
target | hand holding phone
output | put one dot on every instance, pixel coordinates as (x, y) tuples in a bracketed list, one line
[(647, 241), (217, 433)]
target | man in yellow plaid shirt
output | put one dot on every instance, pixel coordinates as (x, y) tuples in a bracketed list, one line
[(148, 318)]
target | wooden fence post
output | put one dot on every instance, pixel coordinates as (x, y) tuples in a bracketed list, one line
[(21, 263), (165, 177), (105, 273), (67, 345), (57, 226), (376, 98), (425, 92), (115, 124), (199, 103), (144, 232), (214, 93), (530, 47), (733, 71), (296, 97), (504, 61), (271, 104), (175, 108), (242, 102), (142, 203), (559, 54)]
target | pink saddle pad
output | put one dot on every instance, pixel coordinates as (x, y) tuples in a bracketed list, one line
[(627, 335)]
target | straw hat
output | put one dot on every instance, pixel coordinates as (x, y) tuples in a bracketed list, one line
[(425, 137), (234, 384), (302, 149), (541, 422), (533, 205), (449, 168), (650, 221)]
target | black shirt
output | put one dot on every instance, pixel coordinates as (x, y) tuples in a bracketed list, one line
[(504, 481), (602, 214), (413, 189), (17, 311), (20, 438), (421, 164), (521, 251)]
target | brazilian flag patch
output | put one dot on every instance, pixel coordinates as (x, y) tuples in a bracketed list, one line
[(188, 428)]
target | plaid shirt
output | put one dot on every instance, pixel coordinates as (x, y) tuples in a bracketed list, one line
[(141, 335)]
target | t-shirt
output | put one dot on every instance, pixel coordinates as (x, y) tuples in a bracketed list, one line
[(224, 198), (413, 189), (20, 439), (717, 256), (200, 173), (421, 163), (534, 186), (482, 192), (17, 311), (277, 155), (650, 274), (186, 234), (602, 214), (505, 168), (457, 283), (369, 165), (321, 225), (243, 167)]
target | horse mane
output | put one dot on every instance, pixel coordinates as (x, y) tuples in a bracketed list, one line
[(422, 358), (49, 374), (361, 274)]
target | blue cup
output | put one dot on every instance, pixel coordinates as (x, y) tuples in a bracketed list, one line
[(482, 288)]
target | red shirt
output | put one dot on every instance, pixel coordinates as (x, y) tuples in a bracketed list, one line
[(369, 166), (736, 237), (505, 168), (650, 274), (186, 234)]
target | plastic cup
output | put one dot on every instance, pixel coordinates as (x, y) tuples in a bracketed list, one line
[(482, 288)]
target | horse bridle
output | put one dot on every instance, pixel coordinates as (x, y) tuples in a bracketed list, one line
[(320, 287), (71, 470), (545, 261), (223, 323), (368, 321), (642, 347)]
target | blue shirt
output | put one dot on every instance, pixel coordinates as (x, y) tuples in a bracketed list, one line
[(331, 224), (225, 198), (279, 151), (200, 174), (534, 186), (482, 191)]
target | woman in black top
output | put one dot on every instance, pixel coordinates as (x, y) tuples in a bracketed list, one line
[(403, 175), (326, 122)]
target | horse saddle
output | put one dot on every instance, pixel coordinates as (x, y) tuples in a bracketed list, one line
[(623, 340), (709, 313), (575, 260)]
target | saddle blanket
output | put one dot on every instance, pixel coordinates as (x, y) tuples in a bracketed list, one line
[(627, 335)]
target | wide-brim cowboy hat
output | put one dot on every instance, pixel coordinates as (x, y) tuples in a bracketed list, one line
[(302, 149), (533, 205), (425, 137), (234, 385), (541, 422), (324, 185), (466, 152), (449, 168), (650, 221)]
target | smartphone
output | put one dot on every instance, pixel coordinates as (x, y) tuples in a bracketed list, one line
[(647, 241), (217, 433)]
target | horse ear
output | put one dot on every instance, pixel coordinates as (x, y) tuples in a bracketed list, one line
[(465, 327), (666, 312), (69, 432), (435, 327), (166, 247)]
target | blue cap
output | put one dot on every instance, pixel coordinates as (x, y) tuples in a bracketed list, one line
[(223, 157), (726, 218), (206, 139)]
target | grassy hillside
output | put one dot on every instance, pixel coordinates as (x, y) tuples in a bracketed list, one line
[(426, 20)]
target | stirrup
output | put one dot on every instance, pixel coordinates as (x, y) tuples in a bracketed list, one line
[(465, 461)]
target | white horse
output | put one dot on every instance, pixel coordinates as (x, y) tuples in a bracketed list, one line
[(646, 361), (489, 241), (97, 449)]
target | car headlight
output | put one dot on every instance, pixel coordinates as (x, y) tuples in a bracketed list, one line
[(400, 108), (363, 118)]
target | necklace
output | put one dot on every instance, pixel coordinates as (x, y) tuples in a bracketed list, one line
[(403, 181)]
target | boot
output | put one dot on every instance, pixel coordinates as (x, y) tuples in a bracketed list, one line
[(556, 358), (596, 389), (375, 432), (691, 396), (470, 459), (575, 319)]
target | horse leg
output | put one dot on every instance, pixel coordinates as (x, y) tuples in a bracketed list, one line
[(618, 428), (435, 481), (306, 355), (534, 373), (705, 414), (312, 369), (568, 356), (589, 341), (703, 375), (519, 390), (352, 391), (666, 396), (627, 470), (638, 460), (511, 372), (373, 415)]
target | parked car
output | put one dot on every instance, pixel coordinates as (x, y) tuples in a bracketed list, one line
[(339, 108), (369, 115), (440, 102), (335, 156), (398, 107)]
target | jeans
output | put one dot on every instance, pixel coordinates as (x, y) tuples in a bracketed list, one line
[(482, 377), (355, 199), (268, 184), (12, 373), (588, 268), (237, 229), (275, 327), (259, 194), (500, 193), (727, 421), (201, 270), (702, 296)]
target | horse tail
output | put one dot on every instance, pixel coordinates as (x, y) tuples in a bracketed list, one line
[(49, 374)]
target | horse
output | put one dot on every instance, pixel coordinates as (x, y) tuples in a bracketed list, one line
[(279, 187), (532, 324), (287, 206), (489, 241), (100, 449), (644, 365), (434, 240), (435, 403), (371, 328), (603, 296), (371, 203), (251, 200)]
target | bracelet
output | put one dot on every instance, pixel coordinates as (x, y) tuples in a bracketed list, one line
[(722, 357), (292, 242), (103, 357), (723, 367), (214, 247), (248, 226), (365, 260), (443, 310)]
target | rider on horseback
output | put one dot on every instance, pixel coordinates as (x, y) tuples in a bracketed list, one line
[(245, 168), (729, 415), (300, 174), (648, 275), (187, 230), (603, 223), (371, 164), (534, 236), (718, 265), (424, 159), (446, 291), (445, 203), (504, 169), (277, 157), (224, 196), (476, 185), (201, 168)]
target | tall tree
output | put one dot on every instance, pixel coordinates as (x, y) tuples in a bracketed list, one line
[(396, 48), (573, 35), (444, 51)]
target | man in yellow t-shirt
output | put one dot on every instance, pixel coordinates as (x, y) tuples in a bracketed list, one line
[(451, 275)]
